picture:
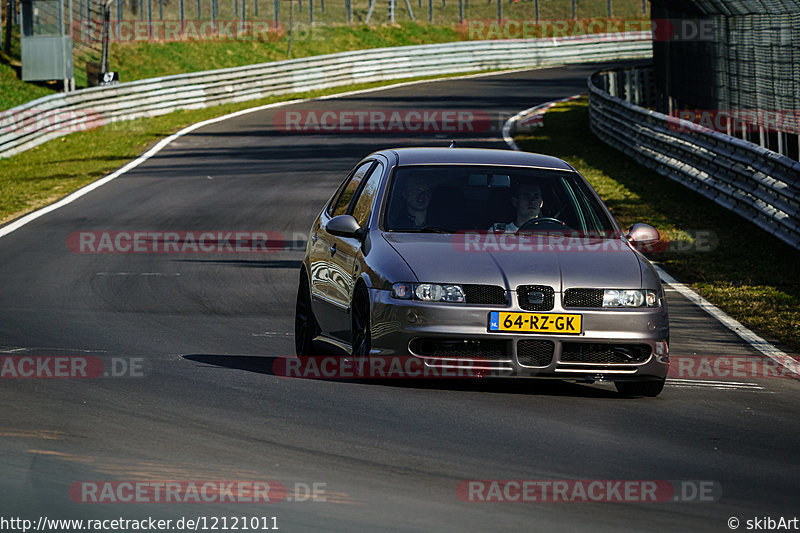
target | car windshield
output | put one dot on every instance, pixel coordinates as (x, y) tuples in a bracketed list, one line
[(450, 199)]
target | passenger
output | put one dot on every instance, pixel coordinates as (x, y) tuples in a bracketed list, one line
[(416, 193)]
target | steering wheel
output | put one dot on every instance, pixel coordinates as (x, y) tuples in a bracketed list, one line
[(529, 225)]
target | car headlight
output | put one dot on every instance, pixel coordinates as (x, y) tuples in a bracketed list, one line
[(629, 298), (428, 292)]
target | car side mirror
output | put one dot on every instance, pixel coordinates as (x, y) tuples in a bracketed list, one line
[(344, 226), (643, 234)]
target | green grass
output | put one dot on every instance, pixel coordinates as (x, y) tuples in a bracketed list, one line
[(147, 60), (330, 33), (745, 271)]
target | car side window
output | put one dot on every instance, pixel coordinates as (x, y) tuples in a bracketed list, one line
[(343, 201), (363, 203)]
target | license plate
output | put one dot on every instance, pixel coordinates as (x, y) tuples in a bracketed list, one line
[(535, 323)]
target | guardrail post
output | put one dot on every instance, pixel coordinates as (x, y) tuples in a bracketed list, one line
[(628, 87), (369, 11), (408, 8)]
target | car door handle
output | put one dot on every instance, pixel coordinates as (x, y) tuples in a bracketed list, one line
[(314, 238), (333, 250)]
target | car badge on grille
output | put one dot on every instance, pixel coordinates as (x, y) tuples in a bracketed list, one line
[(536, 298)]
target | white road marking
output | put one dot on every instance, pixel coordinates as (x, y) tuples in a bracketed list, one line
[(732, 324), (713, 382), (509, 139), (717, 385), (43, 349), (163, 143), (137, 273)]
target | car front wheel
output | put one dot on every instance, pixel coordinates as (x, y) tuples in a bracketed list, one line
[(362, 340), (305, 325)]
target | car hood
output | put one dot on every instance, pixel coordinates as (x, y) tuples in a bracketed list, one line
[(558, 262)]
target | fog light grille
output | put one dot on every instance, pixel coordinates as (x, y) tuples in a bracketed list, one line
[(535, 352)]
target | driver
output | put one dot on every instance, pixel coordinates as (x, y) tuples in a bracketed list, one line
[(527, 201)]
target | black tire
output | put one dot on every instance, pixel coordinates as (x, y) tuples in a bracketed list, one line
[(361, 335), (649, 389), (305, 324)]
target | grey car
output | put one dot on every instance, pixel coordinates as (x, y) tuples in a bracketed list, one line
[(508, 261)]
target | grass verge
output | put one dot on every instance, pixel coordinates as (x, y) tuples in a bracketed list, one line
[(745, 271), (139, 56)]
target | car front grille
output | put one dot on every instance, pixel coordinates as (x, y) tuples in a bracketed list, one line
[(535, 297), (583, 298), (492, 350), (535, 352), (485, 294), (578, 352)]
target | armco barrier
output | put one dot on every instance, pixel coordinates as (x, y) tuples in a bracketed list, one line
[(39, 121), (759, 184)]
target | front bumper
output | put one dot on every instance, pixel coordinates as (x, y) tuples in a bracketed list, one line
[(400, 327)]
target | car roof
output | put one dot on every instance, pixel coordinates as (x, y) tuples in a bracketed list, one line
[(476, 156)]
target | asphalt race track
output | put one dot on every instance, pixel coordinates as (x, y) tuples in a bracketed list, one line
[(202, 330)]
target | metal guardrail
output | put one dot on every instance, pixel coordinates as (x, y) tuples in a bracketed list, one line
[(56, 115), (757, 183)]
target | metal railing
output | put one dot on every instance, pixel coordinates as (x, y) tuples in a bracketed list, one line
[(56, 115), (761, 185)]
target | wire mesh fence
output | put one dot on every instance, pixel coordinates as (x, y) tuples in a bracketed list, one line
[(366, 11), (268, 20), (171, 20), (746, 65)]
